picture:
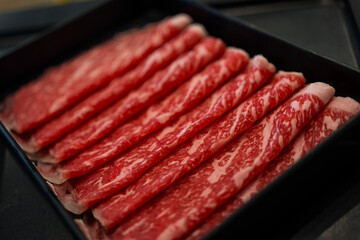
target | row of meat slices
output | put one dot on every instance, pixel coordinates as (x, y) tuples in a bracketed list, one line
[(163, 132)]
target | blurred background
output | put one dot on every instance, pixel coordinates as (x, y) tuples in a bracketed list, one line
[(22, 19), (8, 5), (330, 28), (321, 26)]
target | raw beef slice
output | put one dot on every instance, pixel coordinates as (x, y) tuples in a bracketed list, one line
[(198, 149), (332, 117), (158, 115), (80, 193), (62, 86), (117, 88), (178, 209), (158, 86)]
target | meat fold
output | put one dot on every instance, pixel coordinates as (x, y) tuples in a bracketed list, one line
[(198, 149), (161, 113), (176, 211), (80, 193), (161, 84), (332, 117), (118, 87), (62, 86), (144, 96)]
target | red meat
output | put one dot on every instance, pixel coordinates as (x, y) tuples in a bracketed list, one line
[(78, 194), (178, 209), (332, 117), (162, 113), (118, 87), (198, 149), (61, 87), (159, 85)]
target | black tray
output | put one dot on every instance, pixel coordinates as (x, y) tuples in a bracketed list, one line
[(305, 186)]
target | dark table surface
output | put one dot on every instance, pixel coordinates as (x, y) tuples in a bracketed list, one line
[(326, 27)]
